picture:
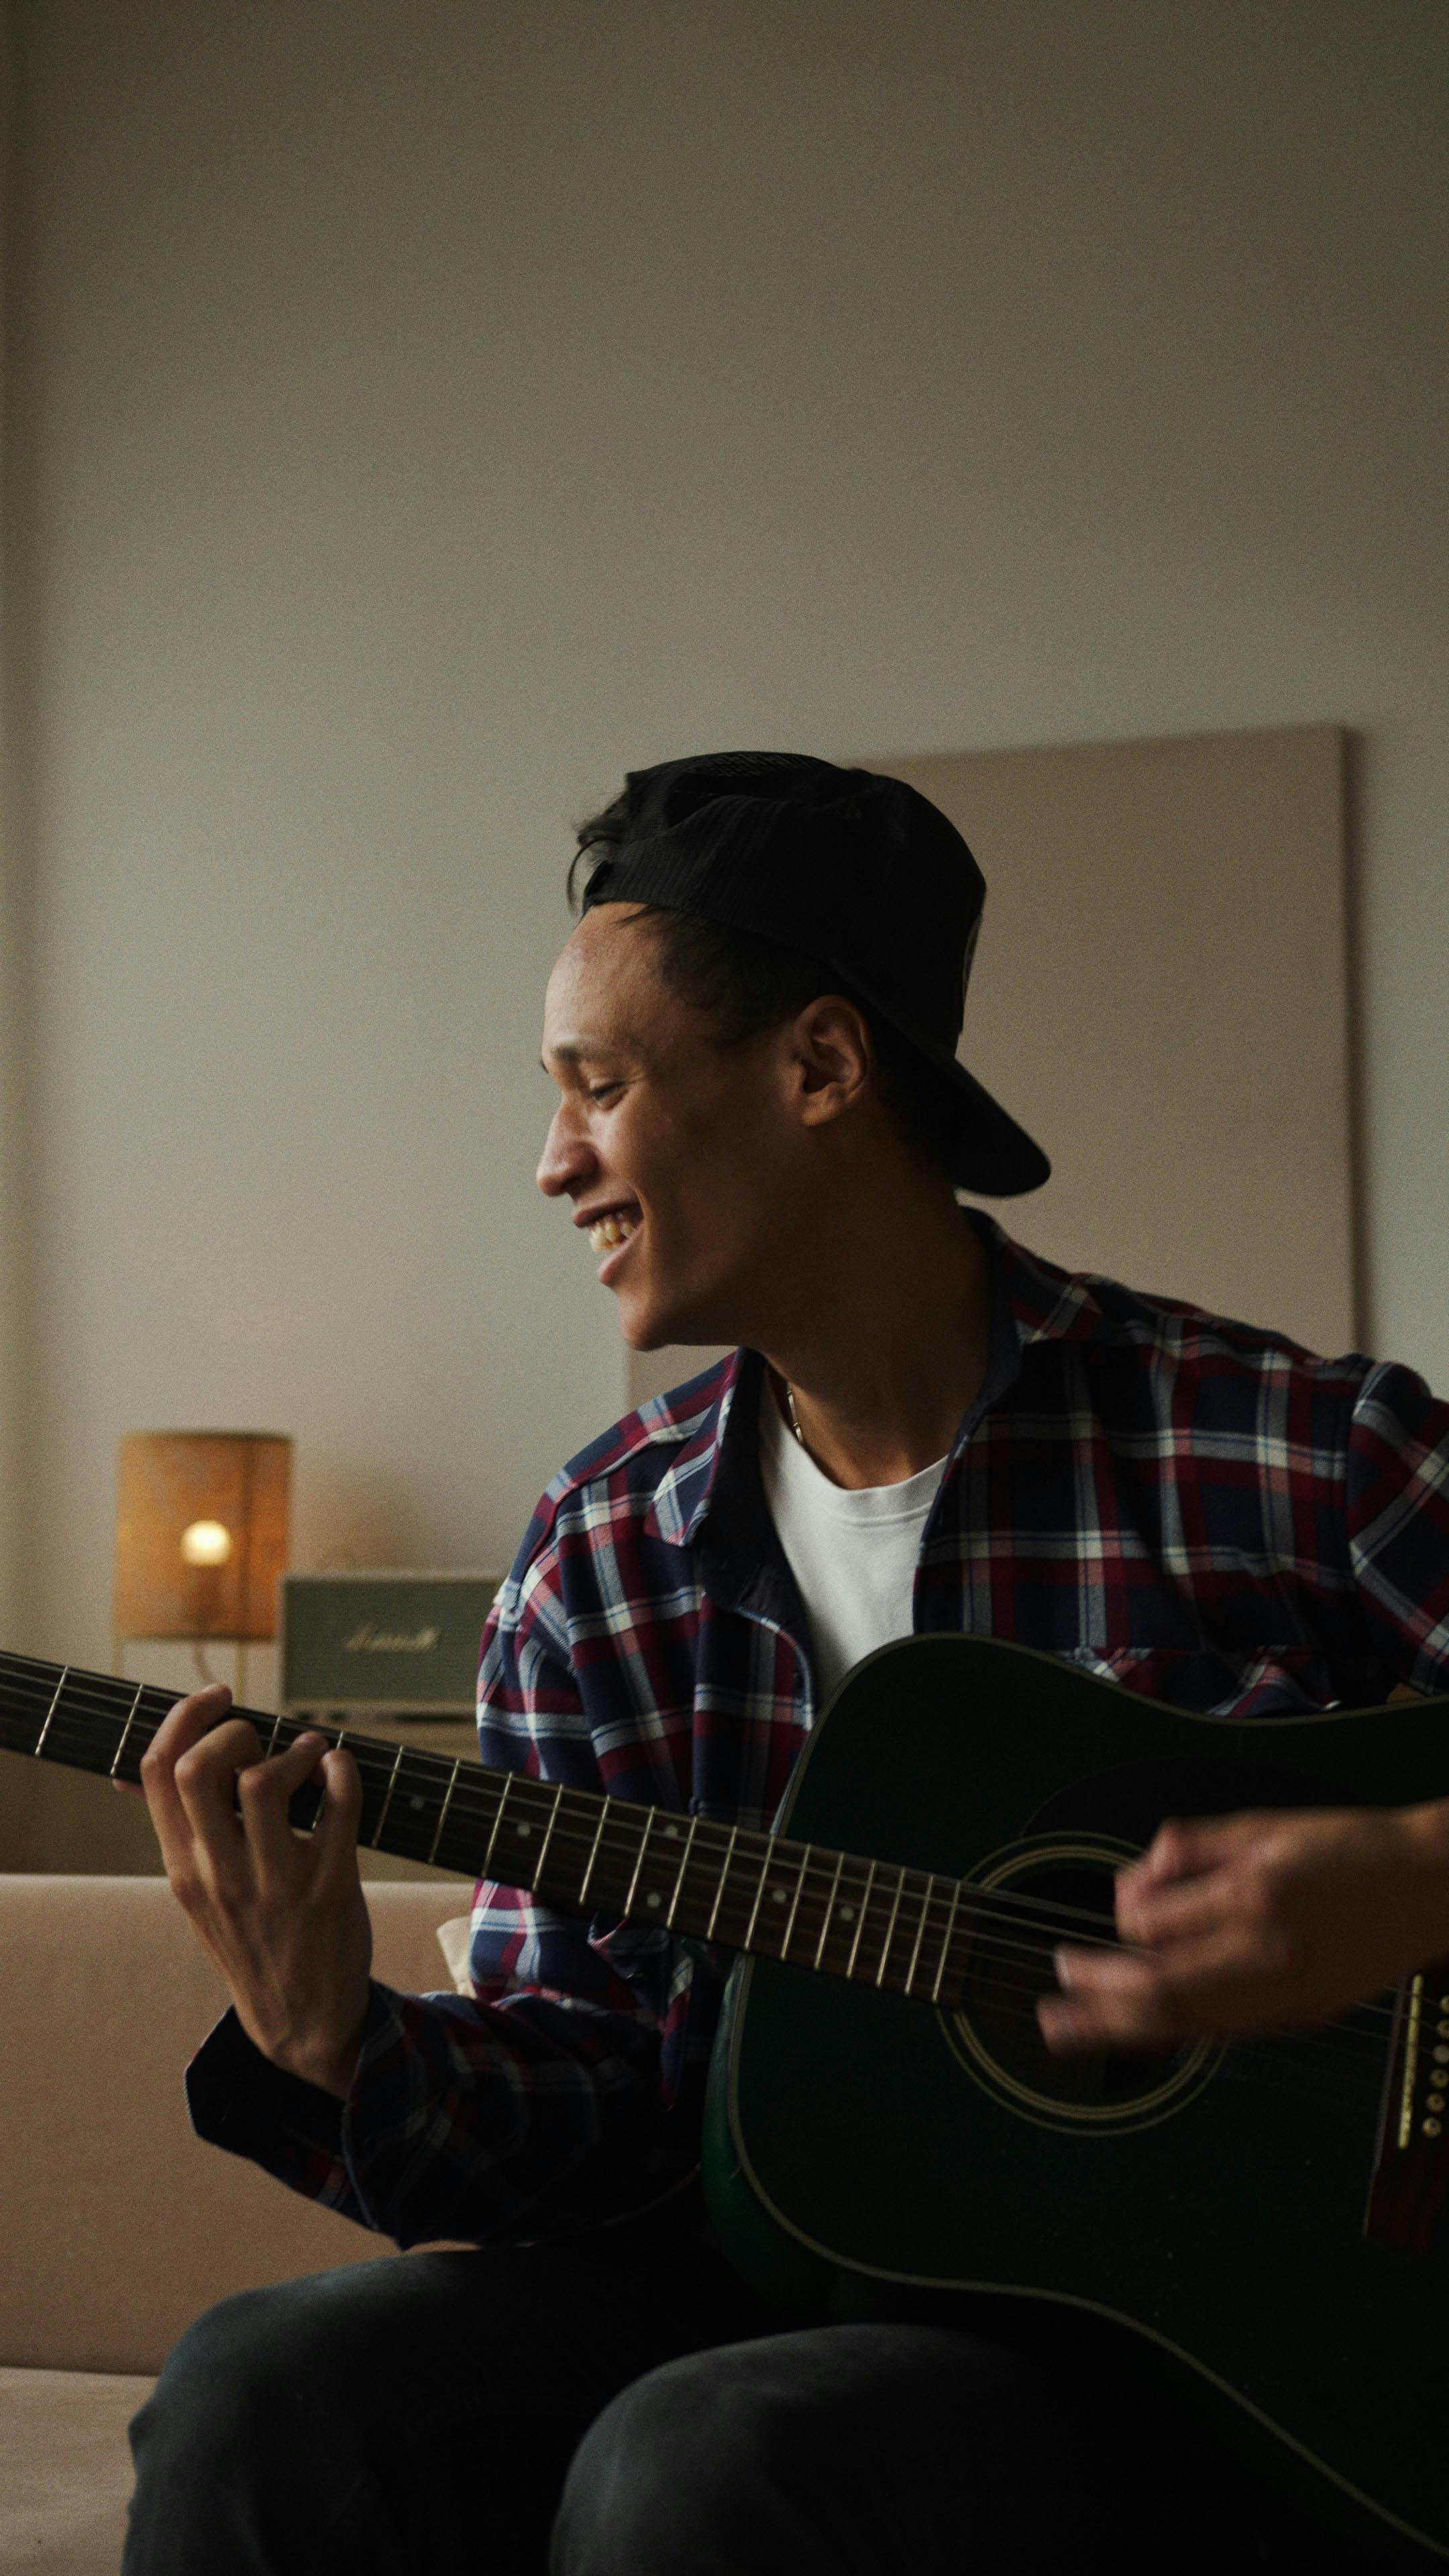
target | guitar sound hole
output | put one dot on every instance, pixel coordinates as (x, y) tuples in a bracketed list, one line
[(1011, 1967)]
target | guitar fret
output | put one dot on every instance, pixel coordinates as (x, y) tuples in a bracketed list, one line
[(829, 1909), (594, 1852), (795, 1907), (443, 1810), (749, 1938), (891, 1927), (860, 1920), (668, 1833), (387, 1795), (724, 1873), (683, 1866), (487, 1867), (309, 1782), (920, 1932), (946, 1942), (595, 1845), (848, 1915), (50, 1712), (628, 1904), (126, 1729), (375, 1764), (558, 1799)]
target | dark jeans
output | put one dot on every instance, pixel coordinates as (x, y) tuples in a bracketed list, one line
[(625, 2408)]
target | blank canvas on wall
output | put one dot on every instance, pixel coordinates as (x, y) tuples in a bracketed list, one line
[(1160, 995)]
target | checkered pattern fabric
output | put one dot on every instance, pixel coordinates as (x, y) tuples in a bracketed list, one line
[(1191, 1507)]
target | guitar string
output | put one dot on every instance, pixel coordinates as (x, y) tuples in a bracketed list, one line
[(1016, 2003), (479, 1804), (1258, 2062), (1276, 2057), (487, 1811), (1332, 2033), (1006, 1990), (1280, 2063), (438, 1767), (1032, 1954), (485, 1805), (786, 1856)]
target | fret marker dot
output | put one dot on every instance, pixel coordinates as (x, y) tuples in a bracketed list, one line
[(652, 1898), (415, 1802), (847, 1914), (671, 1833), (777, 1895), (523, 1832)]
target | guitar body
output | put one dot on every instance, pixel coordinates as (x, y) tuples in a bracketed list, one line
[(1247, 2232), (1199, 2217)]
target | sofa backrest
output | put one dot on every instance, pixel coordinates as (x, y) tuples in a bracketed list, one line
[(119, 2224)]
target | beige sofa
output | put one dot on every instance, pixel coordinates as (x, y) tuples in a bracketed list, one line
[(119, 2225)]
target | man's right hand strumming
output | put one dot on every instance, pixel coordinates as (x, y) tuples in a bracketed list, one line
[(282, 1915)]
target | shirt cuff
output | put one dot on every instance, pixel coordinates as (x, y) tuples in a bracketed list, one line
[(239, 2099)]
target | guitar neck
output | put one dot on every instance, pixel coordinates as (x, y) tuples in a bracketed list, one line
[(901, 1930)]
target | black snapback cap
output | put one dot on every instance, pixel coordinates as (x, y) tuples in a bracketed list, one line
[(859, 873)]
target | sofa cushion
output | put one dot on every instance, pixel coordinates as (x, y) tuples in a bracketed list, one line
[(65, 2469), (121, 2225)]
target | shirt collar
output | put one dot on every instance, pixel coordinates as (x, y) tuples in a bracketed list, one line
[(1030, 1300), (683, 1493)]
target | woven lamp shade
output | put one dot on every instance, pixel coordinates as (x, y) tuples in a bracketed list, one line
[(201, 1533)]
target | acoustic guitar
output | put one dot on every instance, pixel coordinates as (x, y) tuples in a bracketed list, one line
[(1249, 2230)]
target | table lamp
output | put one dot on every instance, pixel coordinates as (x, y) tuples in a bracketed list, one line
[(201, 1538)]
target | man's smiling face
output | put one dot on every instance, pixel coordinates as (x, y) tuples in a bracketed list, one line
[(676, 1153)]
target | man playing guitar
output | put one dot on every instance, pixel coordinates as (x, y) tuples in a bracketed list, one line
[(762, 1127)]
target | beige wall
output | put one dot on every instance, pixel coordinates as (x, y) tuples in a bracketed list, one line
[(431, 412), (12, 1051)]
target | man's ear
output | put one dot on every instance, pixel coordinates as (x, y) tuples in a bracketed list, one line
[(832, 1051)]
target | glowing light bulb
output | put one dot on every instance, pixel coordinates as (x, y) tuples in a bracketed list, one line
[(206, 1543)]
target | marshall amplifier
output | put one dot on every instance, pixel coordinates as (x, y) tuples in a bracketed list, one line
[(381, 1646)]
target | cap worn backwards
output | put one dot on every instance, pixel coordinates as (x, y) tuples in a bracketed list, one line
[(857, 871)]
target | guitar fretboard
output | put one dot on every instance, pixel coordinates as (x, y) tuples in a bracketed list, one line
[(902, 1930)]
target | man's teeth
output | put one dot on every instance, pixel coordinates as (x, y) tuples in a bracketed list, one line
[(609, 1231)]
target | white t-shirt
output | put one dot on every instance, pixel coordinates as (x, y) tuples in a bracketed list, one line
[(853, 1555)]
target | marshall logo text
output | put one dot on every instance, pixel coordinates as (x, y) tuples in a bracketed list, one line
[(367, 1639)]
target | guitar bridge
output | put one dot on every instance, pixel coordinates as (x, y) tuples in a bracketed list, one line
[(1411, 2159)]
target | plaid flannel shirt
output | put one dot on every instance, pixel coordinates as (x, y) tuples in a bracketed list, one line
[(1191, 1507)]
